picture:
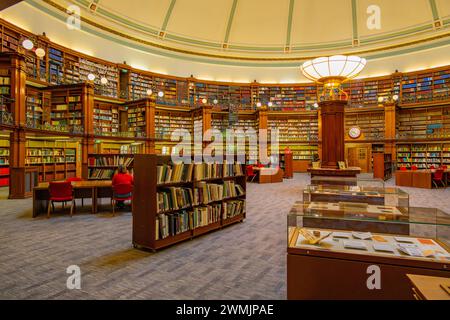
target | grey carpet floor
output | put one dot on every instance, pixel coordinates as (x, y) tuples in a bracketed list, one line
[(243, 261)]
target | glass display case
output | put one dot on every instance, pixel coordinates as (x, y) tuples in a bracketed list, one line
[(357, 194), (347, 181), (338, 249)]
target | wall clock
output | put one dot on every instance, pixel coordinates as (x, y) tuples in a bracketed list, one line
[(354, 132)]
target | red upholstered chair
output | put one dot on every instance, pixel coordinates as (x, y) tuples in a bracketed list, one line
[(121, 192), (444, 167), (250, 173), (260, 165), (75, 179), (403, 168), (60, 192), (432, 167), (414, 168), (438, 176)]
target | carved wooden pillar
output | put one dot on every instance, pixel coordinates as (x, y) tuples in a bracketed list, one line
[(332, 127), (87, 144), (17, 185), (18, 189), (389, 134), (150, 126)]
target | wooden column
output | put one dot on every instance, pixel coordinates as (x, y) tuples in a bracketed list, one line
[(17, 187), (332, 128), (17, 67), (207, 124), (263, 125), (207, 117), (87, 147), (87, 143), (389, 134), (16, 64), (263, 118), (87, 100), (150, 126)]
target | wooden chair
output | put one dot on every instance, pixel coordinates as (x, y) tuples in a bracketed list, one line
[(60, 192), (121, 192)]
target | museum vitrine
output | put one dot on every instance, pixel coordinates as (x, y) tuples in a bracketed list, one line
[(347, 181), (364, 195), (365, 253)]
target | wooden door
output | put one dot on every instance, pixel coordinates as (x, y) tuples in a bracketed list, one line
[(359, 157)]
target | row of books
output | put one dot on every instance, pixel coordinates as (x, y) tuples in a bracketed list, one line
[(101, 174), (205, 193), (184, 220), (171, 224), (111, 161), (174, 198), (200, 171), (5, 81), (178, 198), (233, 208), (206, 215), (217, 170)]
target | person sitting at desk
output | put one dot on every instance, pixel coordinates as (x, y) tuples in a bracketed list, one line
[(122, 177)]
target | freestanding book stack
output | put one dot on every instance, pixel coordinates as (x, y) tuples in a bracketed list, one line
[(176, 202)]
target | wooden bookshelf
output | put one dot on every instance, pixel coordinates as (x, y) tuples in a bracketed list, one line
[(137, 124), (382, 165), (372, 124), (104, 166), (109, 154), (62, 65), (423, 155), (57, 160), (423, 123), (5, 90), (293, 127), (139, 85), (38, 108), (167, 121), (115, 147), (158, 224), (66, 109), (10, 39), (101, 70), (106, 118)]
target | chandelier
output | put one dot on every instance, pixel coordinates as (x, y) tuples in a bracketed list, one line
[(331, 72)]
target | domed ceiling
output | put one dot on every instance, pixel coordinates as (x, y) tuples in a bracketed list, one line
[(262, 30), (246, 40)]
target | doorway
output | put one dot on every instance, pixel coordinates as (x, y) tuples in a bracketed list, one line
[(359, 155)]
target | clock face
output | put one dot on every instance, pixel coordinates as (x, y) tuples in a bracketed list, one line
[(354, 132)]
